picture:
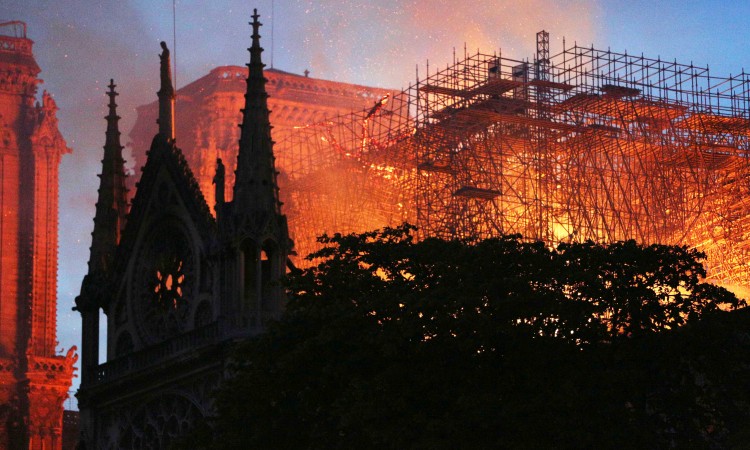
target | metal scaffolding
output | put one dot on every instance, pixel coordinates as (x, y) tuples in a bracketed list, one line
[(348, 174), (584, 144)]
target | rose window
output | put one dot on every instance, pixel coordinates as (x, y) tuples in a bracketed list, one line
[(164, 282)]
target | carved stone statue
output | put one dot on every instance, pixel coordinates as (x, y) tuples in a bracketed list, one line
[(166, 76), (219, 182)]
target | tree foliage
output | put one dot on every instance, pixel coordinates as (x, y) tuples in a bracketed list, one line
[(392, 343)]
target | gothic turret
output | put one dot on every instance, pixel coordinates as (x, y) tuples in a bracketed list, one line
[(111, 207), (252, 222), (256, 190), (109, 220)]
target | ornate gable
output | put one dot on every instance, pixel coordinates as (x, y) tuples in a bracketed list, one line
[(161, 288), (165, 160)]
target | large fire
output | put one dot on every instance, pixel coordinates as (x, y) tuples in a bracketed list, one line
[(585, 144)]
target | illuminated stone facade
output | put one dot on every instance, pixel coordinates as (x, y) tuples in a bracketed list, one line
[(179, 286), (34, 380)]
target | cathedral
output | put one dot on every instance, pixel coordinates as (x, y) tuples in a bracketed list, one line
[(178, 285), (34, 379)]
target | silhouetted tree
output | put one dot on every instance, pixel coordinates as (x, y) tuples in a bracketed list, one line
[(392, 343)]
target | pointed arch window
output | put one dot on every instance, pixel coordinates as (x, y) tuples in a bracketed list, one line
[(269, 276), (249, 273), (260, 275)]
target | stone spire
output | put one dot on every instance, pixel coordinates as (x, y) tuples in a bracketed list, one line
[(109, 220), (166, 96), (255, 189), (111, 206)]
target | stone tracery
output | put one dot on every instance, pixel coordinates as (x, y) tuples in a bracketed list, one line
[(164, 281)]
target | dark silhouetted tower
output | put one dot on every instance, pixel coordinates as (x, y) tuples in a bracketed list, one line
[(178, 286)]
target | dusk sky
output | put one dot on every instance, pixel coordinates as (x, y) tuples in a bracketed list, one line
[(81, 44)]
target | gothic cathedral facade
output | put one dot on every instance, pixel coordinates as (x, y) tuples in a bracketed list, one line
[(178, 285)]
